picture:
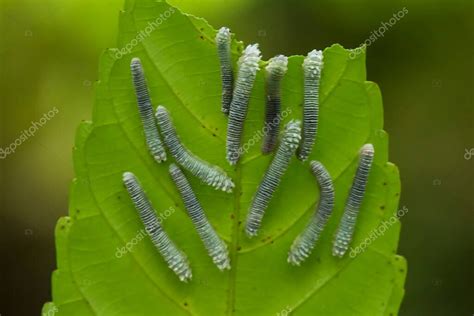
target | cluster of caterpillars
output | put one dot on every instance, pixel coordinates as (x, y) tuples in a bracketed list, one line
[(296, 140)]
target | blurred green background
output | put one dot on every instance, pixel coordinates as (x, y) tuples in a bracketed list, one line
[(424, 66)]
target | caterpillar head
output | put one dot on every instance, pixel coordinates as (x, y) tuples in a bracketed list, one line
[(223, 36), (135, 64), (292, 134), (129, 179), (367, 150), (317, 167), (313, 63), (250, 59), (277, 66)]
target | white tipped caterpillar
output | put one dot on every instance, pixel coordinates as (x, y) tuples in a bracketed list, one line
[(248, 67), (271, 179), (152, 136), (305, 242), (225, 59), (275, 69), (349, 217), (211, 175), (216, 248), (312, 67), (176, 259)]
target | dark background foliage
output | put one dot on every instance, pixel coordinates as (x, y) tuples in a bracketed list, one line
[(423, 64)]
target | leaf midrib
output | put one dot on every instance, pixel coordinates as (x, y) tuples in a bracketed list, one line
[(235, 241)]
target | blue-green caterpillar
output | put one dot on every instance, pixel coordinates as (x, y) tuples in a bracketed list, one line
[(152, 136), (287, 148), (312, 67), (211, 175), (216, 248), (275, 70), (349, 217), (223, 42), (304, 243), (175, 259), (248, 67)]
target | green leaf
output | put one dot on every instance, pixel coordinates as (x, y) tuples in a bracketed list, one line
[(182, 69)]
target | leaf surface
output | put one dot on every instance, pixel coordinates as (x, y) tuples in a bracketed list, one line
[(182, 70)]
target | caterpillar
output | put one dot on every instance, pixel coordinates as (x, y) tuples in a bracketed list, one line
[(211, 175), (271, 180), (216, 248), (304, 243), (225, 59), (312, 67), (176, 259), (248, 67), (275, 69), (349, 218), (152, 136)]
